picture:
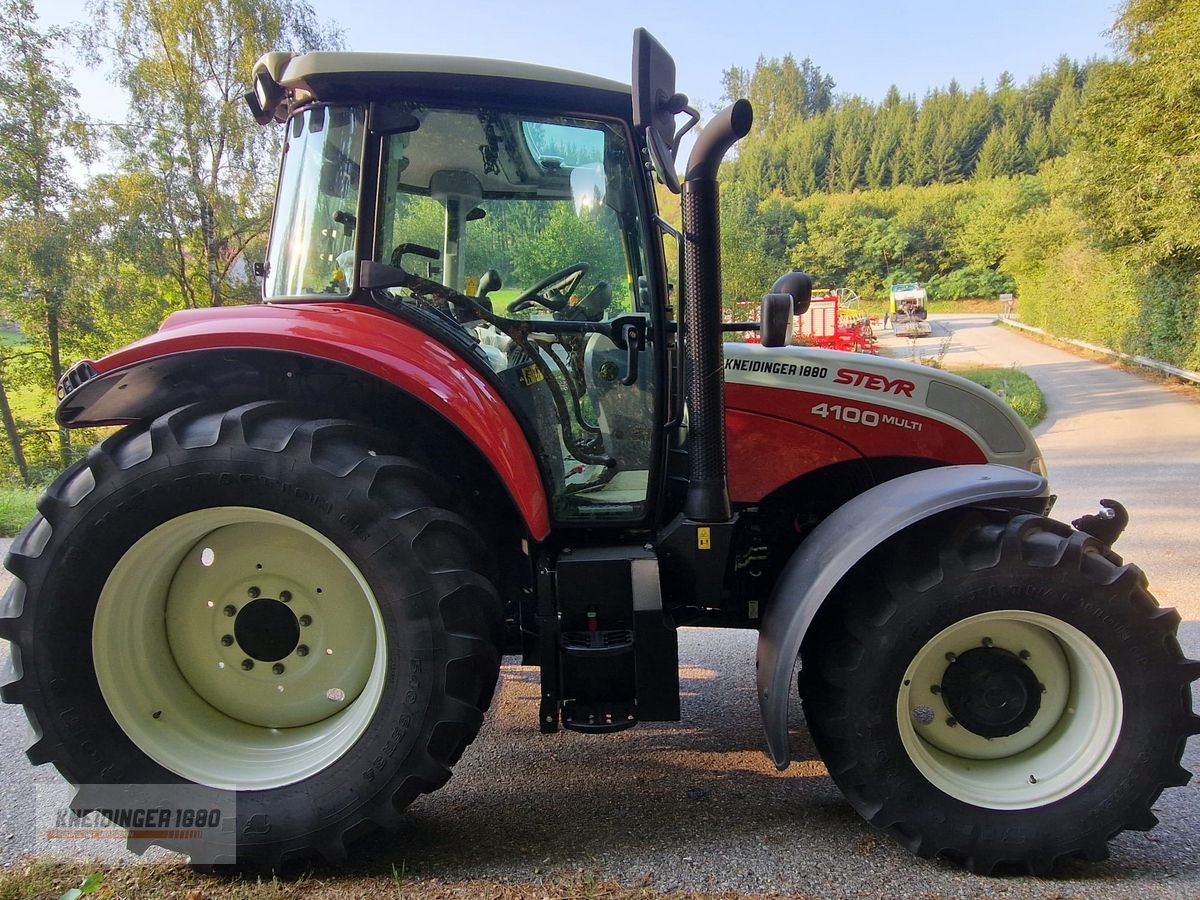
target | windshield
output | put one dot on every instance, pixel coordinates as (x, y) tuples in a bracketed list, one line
[(469, 192), (312, 242)]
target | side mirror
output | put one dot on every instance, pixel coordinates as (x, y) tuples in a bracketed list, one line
[(799, 285), (653, 85), (266, 100), (777, 320), (656, 103)]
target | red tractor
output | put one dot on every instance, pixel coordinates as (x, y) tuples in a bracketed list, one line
[(286, 583)]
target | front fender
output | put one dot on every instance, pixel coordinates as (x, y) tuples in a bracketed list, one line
[(134, 382), (837, 544)]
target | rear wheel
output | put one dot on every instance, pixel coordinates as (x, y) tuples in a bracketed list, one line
[(1016, 697), (257, 601)]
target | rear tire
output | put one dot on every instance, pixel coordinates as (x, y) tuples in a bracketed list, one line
[(299, 567), (1014, 698)]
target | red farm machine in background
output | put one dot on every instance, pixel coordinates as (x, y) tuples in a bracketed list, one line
[(832, 322)]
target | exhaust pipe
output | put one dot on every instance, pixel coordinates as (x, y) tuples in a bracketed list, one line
[(708, 489)]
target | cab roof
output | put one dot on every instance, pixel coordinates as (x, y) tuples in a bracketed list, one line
[(352, 75)]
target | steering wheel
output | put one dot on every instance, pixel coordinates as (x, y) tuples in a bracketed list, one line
[(562, 282)]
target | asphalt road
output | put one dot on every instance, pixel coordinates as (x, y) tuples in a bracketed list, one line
[(697, 804)]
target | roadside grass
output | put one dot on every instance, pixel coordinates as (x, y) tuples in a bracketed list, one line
[(16, 508), (1016, 388), (46, 880)]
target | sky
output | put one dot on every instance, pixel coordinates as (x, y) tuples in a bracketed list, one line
[(865, 46)]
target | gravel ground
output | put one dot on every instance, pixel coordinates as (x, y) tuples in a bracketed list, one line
[(697, 804)]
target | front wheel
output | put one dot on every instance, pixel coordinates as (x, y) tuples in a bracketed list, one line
[(255, 602), (1015, 696)]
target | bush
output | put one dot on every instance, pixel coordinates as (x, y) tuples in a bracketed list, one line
[(969, 283)]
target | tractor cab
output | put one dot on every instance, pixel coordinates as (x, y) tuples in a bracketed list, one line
[(515, 233)]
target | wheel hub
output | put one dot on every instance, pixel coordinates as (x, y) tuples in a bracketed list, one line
[(267, 630), (991, 692), (1009, 709), (260, 654), (268, 627)]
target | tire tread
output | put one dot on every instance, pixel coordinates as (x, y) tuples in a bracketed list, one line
[(835, 656), (364, 459)]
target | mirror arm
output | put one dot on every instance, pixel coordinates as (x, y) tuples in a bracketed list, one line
[(668, 228), (692, 122)]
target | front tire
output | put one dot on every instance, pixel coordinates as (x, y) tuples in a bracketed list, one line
[(252, 599), (1014, 697)]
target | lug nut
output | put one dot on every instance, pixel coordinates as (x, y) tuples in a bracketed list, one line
[(987, 642), (1024, 654), (247, 664), (306, 620), (935, 689), (285, 596), (227, 640), (230, 610), (277, 668), (952, 721), (302, 650), (253, 593), (950, 657)]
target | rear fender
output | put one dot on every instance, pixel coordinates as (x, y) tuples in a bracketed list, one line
[(838, 544), (228, 352)]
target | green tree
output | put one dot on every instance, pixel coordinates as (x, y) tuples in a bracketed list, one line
[(745, 266), (889, 126), (851, 143), (568, 237), (1037, 145), (186, 65), (39, 127), (987, 217), (803, 154), (1136, 133), (1060, 126), (782, 90), (1002, 155)]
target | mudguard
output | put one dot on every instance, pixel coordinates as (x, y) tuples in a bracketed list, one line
[(129, 383), (833, 549)]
